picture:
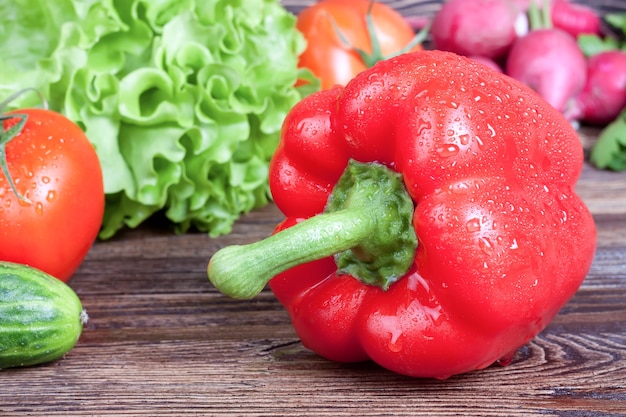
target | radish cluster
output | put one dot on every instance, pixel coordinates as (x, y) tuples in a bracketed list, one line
[(538, 44)]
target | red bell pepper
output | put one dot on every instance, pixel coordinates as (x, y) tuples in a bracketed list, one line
[(454, 240)]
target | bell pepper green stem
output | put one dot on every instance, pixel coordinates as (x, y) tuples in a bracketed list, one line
[(241, 271), (367, 227)]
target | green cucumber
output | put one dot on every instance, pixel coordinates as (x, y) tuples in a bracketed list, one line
[(41, 317)]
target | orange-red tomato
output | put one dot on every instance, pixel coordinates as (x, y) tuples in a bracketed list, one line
[(56, 168), (332, 60)]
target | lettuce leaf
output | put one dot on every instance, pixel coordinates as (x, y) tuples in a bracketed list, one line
[(182, 99)]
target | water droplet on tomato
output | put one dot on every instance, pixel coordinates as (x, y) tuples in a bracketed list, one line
[(51, 196), (45, 179), (39, 208)]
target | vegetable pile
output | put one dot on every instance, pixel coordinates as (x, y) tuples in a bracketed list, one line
[(431, 220), (558, 48), (183, 100)]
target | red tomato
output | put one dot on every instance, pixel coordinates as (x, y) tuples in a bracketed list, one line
[(331, 59), (56, 168)]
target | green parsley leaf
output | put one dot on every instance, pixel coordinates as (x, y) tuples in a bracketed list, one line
[(609, 152)]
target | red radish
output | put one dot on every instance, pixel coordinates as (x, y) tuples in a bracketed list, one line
[(476, 27), (549, 61), (575, 19), (604, 95)]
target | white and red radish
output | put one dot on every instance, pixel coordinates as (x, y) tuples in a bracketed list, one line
[(549, 61), (476, 27)]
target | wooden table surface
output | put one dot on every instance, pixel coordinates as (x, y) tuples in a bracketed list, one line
[(161, 341)]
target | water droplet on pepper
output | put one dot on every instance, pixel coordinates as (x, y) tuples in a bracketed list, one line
[(485, 245), (473, 225), (447, 150), (464, 139)]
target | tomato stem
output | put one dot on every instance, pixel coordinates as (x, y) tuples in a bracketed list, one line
[(371, 31), (7, 135), (369, 59), (8, 100)]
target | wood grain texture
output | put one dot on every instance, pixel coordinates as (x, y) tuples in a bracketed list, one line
[(161, 341)]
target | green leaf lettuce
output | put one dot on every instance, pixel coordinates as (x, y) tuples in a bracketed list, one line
[(183, 100)]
